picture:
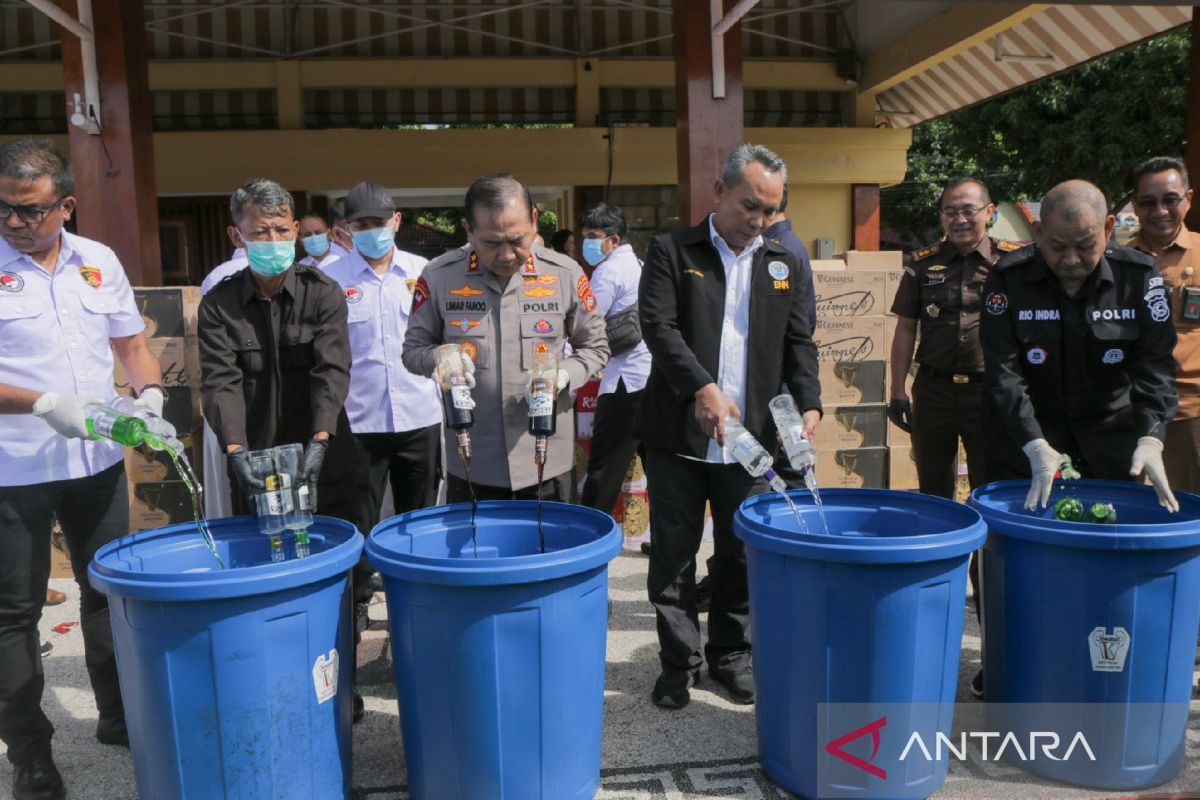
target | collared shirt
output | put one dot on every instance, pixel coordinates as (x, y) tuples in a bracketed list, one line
[(331, 258), (384, 396), (735, 328), (615, 284), (1180, 265), (221, 271), (54, 337)]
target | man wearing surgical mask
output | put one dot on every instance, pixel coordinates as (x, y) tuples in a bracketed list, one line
[(316, 241)]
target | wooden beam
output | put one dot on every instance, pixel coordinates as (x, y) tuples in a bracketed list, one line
[(959, 28), (865, 201)]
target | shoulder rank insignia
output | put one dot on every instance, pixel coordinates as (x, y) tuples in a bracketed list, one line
[(926, 252), (1005, 246)]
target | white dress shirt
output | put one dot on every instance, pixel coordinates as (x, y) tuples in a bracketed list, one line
[(615, 285), (220, 272), (54, 337), (735, 327), (331, 257), (384, 396)]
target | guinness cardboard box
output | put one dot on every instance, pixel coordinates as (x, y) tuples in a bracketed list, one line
[(847, 427), (902, 469), (60, 559), (874, 259), (848, 383), (157, 503), (143, 465), (179, 359), (845, 339), (853, 468), (849, 293), (897, 437), (170, 311), (891, 286)]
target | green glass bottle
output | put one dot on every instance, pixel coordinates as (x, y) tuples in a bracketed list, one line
[(105, 423), (1103, 513), (1069, 509)]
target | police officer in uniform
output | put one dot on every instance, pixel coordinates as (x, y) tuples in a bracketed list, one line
[(1077, 341), (941, 296), (503, 300)]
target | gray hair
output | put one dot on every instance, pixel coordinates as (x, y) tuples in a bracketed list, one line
[(743, 155), (27, 160), (264, 194)]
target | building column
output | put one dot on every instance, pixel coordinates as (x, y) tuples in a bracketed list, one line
[(865, 199), (706, 129), (114, 171)]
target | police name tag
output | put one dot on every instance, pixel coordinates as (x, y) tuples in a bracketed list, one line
[(1191, 303)]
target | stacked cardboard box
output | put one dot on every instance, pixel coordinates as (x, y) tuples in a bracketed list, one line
[(157, 496)]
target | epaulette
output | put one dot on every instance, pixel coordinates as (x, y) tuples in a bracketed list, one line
[(1119, 252), (771, 243), (926, 252), (554, 257), (1021, 255), (451, 257), (1005, 246)]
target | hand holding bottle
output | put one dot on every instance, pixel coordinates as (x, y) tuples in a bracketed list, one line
[(66, 413)]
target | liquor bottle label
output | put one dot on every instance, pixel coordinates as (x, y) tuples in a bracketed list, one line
[(541, 405), (460, 397)]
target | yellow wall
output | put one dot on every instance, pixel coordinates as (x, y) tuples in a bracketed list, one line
[(819, 210)]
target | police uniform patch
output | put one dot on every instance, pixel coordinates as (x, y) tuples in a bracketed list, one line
[(1156, 303), (1114, 356), (471, 351), (353, 294), (545, 280), (778, 270), (584, 290), (1155, 282), (420, 294), (933, 311), (410, 283), (541, 347), (1036, 355), (695, 273), (464, 325), (537, 290), (912, 273), (529, 268), (543, 326), (926, 252), (466, 291), (91, 276), (473, 263), (11, 282), (996, 303), (1007, 247)]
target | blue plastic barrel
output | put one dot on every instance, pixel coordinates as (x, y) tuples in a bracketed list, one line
[(1103, 617), (498, 647), (856, 627), (236, 682)]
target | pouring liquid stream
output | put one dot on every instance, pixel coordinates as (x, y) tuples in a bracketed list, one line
[(197, 492)]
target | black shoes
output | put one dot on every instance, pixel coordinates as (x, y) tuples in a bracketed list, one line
[(360, 708), (738, 682), (37, 779), (44, 648), (671, 688), (112, 731)]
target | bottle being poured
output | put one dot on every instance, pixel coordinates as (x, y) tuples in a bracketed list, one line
[(800, 452), (455, 373), (742, 445), (542, 385)]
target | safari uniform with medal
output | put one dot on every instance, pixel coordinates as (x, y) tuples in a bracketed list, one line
[(1090, 374), (1180, 265), (943, 290), (500, 324)]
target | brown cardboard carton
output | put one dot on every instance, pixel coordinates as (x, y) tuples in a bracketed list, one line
[(902, 469), (826, 264), (847, 427), (852, 382), (874, 259), (168, 311), (856, 468), (60, 559), (143, 465), (891, 286), (849, 293), (158, 503), (850, 339), (897, 437), (178, 358)]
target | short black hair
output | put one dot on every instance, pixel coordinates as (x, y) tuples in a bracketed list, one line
[(312, 212), (963, 180), (1158, 164), (558, 241), (28, 160), (782, 203), (604, 217), (493, 192)]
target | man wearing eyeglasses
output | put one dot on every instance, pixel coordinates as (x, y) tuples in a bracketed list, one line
[(65, 308), (941, 295), (1162, 198)]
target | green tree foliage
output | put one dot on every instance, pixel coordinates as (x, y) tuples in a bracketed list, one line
[(1097, 122)]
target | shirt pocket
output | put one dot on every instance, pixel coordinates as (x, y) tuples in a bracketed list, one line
[(363, 332), (250, 357), (296, 347), (541, 333), (470, 331), (98, 310), (936, 294), (1108, 348), (23, 327)]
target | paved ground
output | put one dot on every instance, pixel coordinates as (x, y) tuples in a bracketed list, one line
[(706, 750)]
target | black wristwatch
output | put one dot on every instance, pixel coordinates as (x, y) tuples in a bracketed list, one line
[(154, 386)]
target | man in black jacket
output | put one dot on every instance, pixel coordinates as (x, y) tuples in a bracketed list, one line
[(724, 313)]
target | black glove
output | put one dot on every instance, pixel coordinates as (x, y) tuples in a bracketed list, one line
[(239, 462), (900, 413), (314, 457)]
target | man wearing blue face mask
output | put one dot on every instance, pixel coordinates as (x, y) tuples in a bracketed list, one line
[(316, 241), (615, 284)]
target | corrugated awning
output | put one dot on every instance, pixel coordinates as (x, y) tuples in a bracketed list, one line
[(1051, 41)]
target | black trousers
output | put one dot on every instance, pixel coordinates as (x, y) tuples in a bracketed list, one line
[(92, 511), (942, 412), (678, 489), (411, 461), (613, 448), (561, 487)]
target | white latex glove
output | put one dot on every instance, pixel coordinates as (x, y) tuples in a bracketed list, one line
[(151, 400), (1147, 457), (1044, 461), (65, 413), (563, 380), (469, 371)]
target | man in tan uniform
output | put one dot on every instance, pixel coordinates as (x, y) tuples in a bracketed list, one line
[(1161, 200), (503, 300)]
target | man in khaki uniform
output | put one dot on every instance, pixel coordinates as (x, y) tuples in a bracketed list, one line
[(503, 300), (1161, 200)]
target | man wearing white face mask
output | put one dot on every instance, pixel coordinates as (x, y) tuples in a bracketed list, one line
[(316, 241)]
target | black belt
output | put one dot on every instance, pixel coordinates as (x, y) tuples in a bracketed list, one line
[(953, 377)]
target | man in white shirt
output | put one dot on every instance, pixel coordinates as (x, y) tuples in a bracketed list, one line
[(317, 242), (236, 263), (615, 285), (65, 308)]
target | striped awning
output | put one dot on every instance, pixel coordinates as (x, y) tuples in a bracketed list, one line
[(1051, 41)]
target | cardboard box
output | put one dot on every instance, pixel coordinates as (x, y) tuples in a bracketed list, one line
[(168, 311), (849, 383), (897, 437), (60, 559), (847, 427), (902, 469), (874, 259), (143, 465), (157, 503), (850, 339), (827, 264), (856, 468), (891, 286), (179, 359), (850, 294)]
